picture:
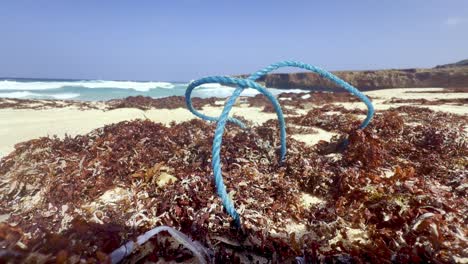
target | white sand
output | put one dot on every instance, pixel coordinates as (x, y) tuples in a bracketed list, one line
[(312, 139), (379, 106), (25, 124), (18, 125), (415, 93), (406, 93)]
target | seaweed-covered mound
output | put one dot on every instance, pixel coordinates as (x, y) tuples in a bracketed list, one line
[(145, 102), (298, 100), (395, 192), (421, 101), (37, 104), (139, 102)]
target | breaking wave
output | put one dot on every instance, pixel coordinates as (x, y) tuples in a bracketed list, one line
[(24, 94), (105, 90), (46, 85)]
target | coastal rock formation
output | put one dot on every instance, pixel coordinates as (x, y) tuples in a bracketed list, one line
[(450, 75), (456, 64)]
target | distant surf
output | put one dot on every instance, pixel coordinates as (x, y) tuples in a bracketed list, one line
[(31, 84), (100, 90)]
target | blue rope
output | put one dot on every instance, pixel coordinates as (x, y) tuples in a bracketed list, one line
[(241, 85), (250, 83)]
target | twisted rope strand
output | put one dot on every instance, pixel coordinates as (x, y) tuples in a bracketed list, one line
[(224, 117)]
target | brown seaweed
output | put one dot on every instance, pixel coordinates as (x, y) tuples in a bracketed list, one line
[(422, 101), (397, 193)]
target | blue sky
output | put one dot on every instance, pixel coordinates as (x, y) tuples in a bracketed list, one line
[(184, 40)]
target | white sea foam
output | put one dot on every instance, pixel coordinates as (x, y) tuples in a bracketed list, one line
[(32, 89), (24, 94), (18, 95), (44, 85), (223, 91), (217, 90), (212, 85), (63, 96), (280, 91)]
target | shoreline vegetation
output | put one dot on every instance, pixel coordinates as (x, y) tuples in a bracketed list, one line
[(79, 179)]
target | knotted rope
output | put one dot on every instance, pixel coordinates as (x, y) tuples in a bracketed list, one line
[(250, 83)]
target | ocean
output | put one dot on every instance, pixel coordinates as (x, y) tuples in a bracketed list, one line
[(101, 90)]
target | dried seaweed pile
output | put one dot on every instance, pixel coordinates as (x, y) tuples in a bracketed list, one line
[(329, 117), (44, 104), (139, 102), (113, 176), (422, 101), (299, 100), (444, 90), (403, 180), (396, 193), (146, 103)]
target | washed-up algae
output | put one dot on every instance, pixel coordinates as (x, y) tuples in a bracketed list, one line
[(422, 101), (297, 100), (395, 192), (139, 102)]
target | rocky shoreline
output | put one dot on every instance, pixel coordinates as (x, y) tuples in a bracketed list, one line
[(446, 76)]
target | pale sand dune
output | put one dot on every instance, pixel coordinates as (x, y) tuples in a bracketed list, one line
[(18, 125)]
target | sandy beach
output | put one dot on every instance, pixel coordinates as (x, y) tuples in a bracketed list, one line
[(345, 140), (150, 167), (24, 124), (18, 125)]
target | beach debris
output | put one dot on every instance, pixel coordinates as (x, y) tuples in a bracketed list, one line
[(15, 103), (63, 196), (443, 90), (146, 102), (230, 102), (300, 100), (202, 254), (422, 101), (138, 102)]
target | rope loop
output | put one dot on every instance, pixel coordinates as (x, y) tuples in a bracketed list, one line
[(250, 83)]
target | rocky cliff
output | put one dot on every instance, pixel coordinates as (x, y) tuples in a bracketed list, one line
[(449, 75)]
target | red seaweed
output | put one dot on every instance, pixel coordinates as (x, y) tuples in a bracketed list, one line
[(396, 193)]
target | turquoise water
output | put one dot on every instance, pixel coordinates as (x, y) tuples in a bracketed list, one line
[(97, 90)]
